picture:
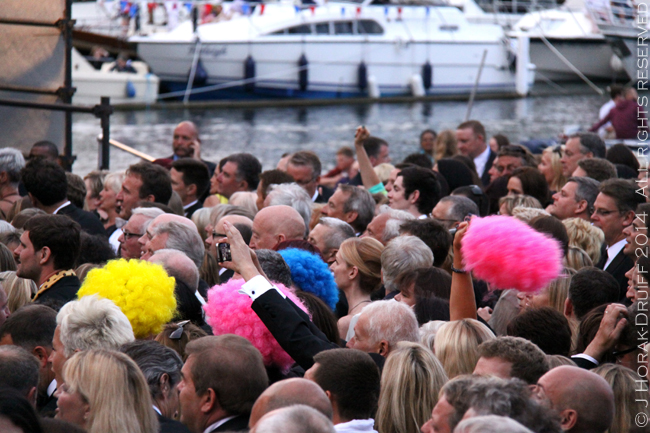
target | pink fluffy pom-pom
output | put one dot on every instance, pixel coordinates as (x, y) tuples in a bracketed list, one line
[(509, 254), (229, 312)]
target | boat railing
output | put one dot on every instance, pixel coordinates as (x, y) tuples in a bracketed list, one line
[(619, 13)]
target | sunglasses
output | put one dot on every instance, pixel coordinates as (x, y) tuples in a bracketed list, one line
[(178, 333)]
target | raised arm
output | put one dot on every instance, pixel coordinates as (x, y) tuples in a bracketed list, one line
[(368, 175), (462, 304)]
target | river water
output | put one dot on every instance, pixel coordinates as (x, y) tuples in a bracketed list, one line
[(270, 132)]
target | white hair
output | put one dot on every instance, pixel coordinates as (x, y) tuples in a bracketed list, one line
[(404, 254), (12, 161), (396, 218), (149, 212), (391, 321), (292, 195), (490, 424), (339, 232), (178, 265), (92, 323), (6, 227), (183, 238)]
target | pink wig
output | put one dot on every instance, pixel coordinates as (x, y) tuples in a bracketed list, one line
[(229, 312), (509, 254)]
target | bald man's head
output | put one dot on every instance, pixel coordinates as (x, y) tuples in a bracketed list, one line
[(185, 135), (275, 224), (290, 392), (232, 219), (584, 400)]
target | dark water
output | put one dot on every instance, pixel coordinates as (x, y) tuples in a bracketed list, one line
[(270, 132)]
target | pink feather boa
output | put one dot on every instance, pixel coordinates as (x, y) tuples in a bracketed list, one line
[(509, 254)]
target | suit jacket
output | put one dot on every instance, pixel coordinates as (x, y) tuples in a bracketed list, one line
[(168, 425), (61, 292), (87, 220), (238, 423), (190, 210), (617, 268), (46, 406), (583, 363), (167, 163), (226, 276), (488, 165)]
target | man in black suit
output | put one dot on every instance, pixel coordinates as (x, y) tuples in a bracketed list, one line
[(470, 136), (186, 144), (47, 252), (221, 379), (613, 211), (47, 187), (305, 167), (162, 368), (191, 180)]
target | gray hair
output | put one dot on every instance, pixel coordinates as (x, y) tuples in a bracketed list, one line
[(155, 360), (178, 265), (299, 418), (490, 424), (591, 142), (397, 217), (92, 323), (275, 267), (361, 202), (293, 195), (149, 212), (404, 254), (18, 369), (183, 238), (391, 321), (587, 190), (460, 207), (6, 227), (12, 161), (339, 232), (221, 210)]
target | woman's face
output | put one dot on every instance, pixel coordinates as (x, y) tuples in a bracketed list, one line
[(107, 199), (214, 182), (91, 201), (406, 296), (515, 186), (546, 168), (341, 271), (537, 300), (427, 141), (71, 406)]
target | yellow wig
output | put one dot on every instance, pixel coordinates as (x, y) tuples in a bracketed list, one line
[(143, 291)]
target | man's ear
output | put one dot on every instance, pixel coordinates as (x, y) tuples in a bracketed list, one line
[(629, 218), (568, 419), (209, 401), (191, 189), (32, 395), (351, 216), (46, 255), (581, 207), (150, 197), (383, 348), (568, 308), (41, 354), (414, 197)]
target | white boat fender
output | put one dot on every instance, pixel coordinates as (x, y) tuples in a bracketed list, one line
[(303, 73), (616, 64), (427, 75), (249, 74), (130, 89), (417, 87), (373, 87), (362, 76)]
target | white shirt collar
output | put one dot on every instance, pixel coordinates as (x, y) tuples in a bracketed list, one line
[(218, 424), (315, 196), (356, 425), (423, 216), (613, 251), (51, 388), (190, 205), (222, 270), (61, 207), (481, 161), (157, 410)]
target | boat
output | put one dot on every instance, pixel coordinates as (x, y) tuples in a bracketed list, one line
[(123, 88), (565, 39), (337, 50), (624, 24)]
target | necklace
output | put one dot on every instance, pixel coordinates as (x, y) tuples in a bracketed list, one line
[(351, 310)]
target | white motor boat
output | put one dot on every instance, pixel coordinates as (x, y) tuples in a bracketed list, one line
[(338, 50), (121, 87), (570, 34)]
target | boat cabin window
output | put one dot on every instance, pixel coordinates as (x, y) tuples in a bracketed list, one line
[(304, 29), (343, 27), (322, 28), (369, 27), (361, 27)]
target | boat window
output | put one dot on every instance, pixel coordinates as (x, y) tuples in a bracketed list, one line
[(343, 27), (369, 27), (322, 28), (448, 28), (304, 29)]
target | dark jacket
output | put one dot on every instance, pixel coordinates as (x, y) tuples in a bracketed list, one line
[(87, 220), (61, 292)]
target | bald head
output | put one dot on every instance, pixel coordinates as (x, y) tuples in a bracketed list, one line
[(584, 400), (232, 219), (294, 419), (185, 134), (290, 392), (275, 224)]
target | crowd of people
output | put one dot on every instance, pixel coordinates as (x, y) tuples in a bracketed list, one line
[(186, 295)]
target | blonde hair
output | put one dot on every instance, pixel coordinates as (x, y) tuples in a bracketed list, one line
[(114, 181), (365, 254), (582, 234), (446, 145), (558, 289), (245, 199), (577, 258), (410, 383), (19, 290), (556, 167), (527, 214), (624, 383), (558, 361), (201, 218), (456, 345), (513, 201), (114, 388), (383, 171)]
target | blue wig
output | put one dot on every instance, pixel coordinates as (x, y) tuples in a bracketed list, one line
[(310, 273)]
